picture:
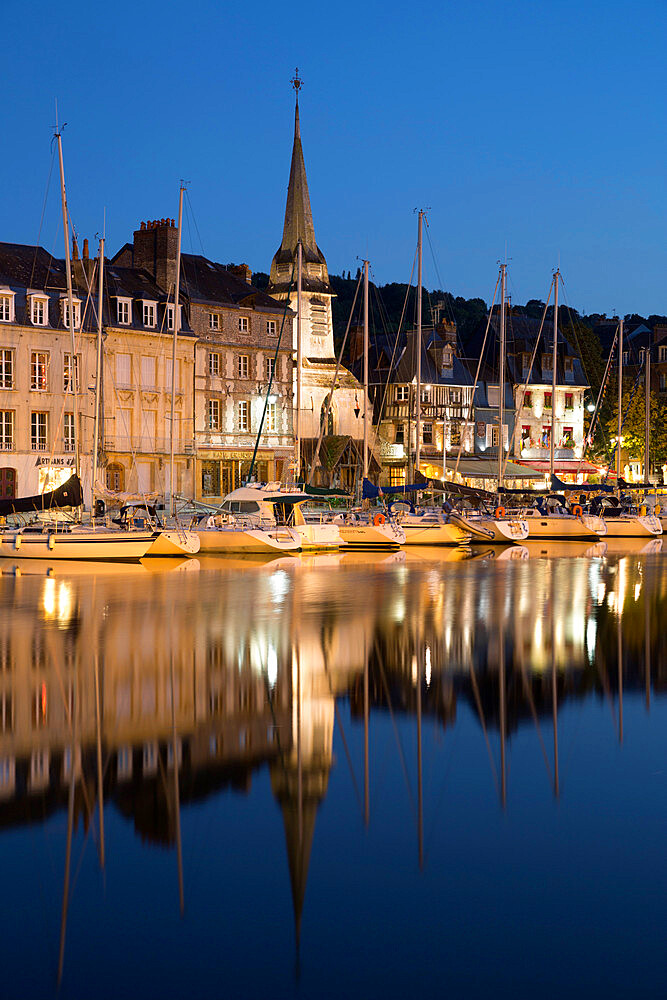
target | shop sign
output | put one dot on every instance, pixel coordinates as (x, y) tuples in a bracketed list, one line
[(54, 460)]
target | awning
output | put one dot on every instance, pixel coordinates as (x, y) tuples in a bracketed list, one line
[(487, 468), (569, 466)]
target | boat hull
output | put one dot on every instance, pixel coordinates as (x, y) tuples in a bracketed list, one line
[(171, 542), (319, 536), (493, 531), (372, 536), (564, 527), (252, 541), (91, 544), (434, 533), (641, 526)]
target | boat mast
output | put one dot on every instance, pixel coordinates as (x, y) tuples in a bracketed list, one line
[(419, 341), (366, 369), (177, 290), (70, 299), (554, 360), (297, 427), (98, 376), (620, 401), (501, 387), (647, 419)]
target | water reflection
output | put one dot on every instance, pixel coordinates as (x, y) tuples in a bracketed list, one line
[(145, 692)]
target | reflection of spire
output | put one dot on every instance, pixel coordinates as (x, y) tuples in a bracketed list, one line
[(299, 847)]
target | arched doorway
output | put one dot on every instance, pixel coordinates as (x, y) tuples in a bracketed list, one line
[(115, 477)]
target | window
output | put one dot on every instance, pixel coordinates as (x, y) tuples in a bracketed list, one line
[(569, 401), (243, 324), (148, 379), (568, 437), (67, 373), (547, 362), (38, 310), (528, 399), (214, 364), (455, 434), (77, 313), (214, 414), (525, 362), (662, 354), (39, 365), (124, 313), (271, 423), (396, 476), (6, 430), (210, 479), (427, 433), (123, 369), (495, 436), (455, 396), (38, 430), (271, 327), (402, 393), (149, 313), (214, 321), (242, 366), (426, 394), (525, 436), (545, 440), (115, 477), (569, 369), (243, 411), (68, 431), (169, 316), (7, 483), (626, 357), (270, 368), (494, 395), (400, 434), (448, 358), (168, 373), (6, 307), (547, 400), (6, 369), (663, 382)]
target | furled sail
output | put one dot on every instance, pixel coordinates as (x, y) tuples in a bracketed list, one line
[(68, 494)]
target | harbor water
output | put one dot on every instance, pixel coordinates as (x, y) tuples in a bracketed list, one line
[(418, 773)]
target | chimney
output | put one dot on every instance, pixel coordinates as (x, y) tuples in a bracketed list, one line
[(85, 249), (75, 249), (242, 271), (155, 246), (659, 331)]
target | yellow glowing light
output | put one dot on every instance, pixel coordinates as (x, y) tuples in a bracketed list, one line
[(49, 597)]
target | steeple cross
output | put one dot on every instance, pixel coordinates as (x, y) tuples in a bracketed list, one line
[(297, 82)]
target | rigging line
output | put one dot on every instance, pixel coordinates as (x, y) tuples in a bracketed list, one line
[(329, 399), (395, 728), (41, 220), (480, 712), (342, 731), (479, 365), (640, 375), (527, 381), (194, 220), (271, 377), (531, 701), (396, 341), (598, 402)]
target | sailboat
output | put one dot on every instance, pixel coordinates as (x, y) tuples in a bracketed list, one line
[(65, 537)]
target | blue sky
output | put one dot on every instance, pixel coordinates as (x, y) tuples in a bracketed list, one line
[(535, 126)]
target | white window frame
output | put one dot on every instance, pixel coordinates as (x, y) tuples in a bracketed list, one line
[(271, 327), (214, 321), (7, 312), (35, 365), (124, 311), (243, 366), (6, 430), (213, 415), (271, 418), (148, 312), (169, 316), (37, 442), (244, 325), (68, 432), (67, 377), (402, 393), (39, 310), (6, 368), (270, 368), (214, 363), (76, 304), (243, 414)]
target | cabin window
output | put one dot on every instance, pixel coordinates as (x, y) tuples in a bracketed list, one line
[(6, 430), (39, 422), (115, 477)]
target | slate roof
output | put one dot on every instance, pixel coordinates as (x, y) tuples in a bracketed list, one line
[(404, 370), (521, 332)]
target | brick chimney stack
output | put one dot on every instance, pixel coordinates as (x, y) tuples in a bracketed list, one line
[(155, 246)]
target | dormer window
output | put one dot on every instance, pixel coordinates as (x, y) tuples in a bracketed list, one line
[(547, 362), (569, 369), (6, 306), (149, 312), (39, 310), (448, 358), (76, 304), (124, 311), (169, 316)]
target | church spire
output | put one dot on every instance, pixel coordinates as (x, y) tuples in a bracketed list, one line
[(298, 225)]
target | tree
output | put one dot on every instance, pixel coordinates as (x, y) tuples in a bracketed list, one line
[(633, 412)]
